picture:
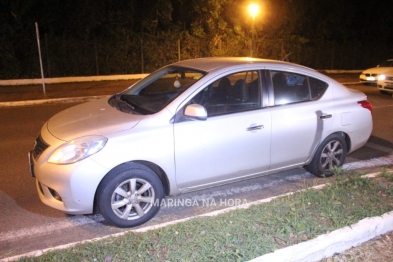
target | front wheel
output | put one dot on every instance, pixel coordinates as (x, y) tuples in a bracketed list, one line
[(129, 195), (330, 154)]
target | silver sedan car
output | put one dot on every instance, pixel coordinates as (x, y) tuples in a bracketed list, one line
[(191, 125)]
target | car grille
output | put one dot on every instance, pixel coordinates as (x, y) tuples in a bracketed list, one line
[(39, 147), (389, 78), (371, 75)]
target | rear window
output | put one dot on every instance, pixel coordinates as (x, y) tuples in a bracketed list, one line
[(293, 88)]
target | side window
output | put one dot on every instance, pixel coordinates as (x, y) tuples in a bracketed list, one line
[(289, 88), (232, 93), (317, 88), (293, 88)]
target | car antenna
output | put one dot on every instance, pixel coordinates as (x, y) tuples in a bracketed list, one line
[(282, 59)]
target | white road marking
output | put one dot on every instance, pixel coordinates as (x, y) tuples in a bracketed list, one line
[(355, 239), (46, 228), (83, 220), (244, 189), (373, 162)]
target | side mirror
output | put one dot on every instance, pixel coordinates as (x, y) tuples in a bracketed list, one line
[(196, 111)]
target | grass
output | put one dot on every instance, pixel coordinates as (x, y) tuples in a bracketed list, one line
[(386, 174), (244, 234)]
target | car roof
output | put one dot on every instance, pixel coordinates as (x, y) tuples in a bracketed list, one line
[(211, 63)]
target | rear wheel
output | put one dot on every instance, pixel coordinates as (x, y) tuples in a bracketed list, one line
[(330, 154), (130, 195)]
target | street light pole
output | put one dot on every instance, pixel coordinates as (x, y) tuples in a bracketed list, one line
[(253, 37), (253, 9)]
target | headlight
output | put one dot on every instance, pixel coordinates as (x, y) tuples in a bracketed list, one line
[(77, 149), (381, 77)]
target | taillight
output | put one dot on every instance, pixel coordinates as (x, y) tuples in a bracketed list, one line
[(366, 104)]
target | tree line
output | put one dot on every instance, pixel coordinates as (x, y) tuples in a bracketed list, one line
[(89, 37)]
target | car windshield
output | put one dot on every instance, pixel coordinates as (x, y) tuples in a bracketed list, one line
[(156, 91), (388, 63)]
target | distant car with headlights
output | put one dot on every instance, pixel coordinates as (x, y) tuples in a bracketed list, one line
[(370, 76), (385, 82), (191, 125)]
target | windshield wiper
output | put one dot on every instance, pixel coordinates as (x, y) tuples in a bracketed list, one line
[(123, 105), (120, 98)]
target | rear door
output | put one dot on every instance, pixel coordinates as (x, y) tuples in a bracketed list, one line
[(300, 117)]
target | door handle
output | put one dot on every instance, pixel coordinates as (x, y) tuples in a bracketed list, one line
[(252, 128), (325, 116)]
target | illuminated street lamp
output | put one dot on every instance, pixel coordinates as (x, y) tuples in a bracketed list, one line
[(253, 9)]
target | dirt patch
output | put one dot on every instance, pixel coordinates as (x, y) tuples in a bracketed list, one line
[(379, 249)]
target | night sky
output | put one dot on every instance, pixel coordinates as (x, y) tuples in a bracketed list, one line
[(360, 32)]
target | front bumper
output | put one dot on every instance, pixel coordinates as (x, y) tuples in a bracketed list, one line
[(69, 188), (368, 79), (386, 86)]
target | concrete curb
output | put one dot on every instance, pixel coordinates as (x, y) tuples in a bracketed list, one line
[(313, 250), (335, 242), (71, 79), (49, 101)]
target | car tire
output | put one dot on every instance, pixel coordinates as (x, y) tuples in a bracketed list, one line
[(129, 195), (330, 154)]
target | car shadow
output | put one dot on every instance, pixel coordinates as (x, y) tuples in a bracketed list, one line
[(370, 151)]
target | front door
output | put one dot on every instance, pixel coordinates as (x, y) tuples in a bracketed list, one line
[(233, 142)]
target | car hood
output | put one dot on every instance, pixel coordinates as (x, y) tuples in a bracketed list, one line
[(376, 70), (389, 72), (92, 118)]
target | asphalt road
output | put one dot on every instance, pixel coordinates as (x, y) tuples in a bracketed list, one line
[(27, 225)]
